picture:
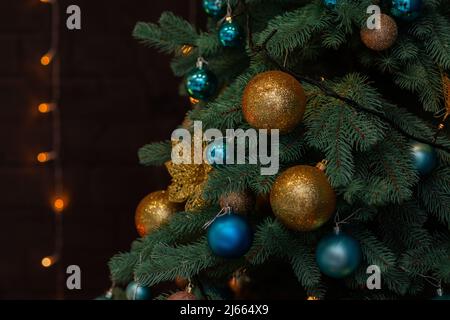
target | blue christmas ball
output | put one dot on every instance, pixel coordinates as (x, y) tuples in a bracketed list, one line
[(330, 3), (135, 291), (214, 8), (406, 9), (338, 255), (216, 152), (424, 158), (201, 83), (230, 34), (230, 236)]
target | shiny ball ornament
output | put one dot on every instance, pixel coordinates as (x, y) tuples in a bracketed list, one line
[(240, 202), (230, 34), (424, 158), (274, 100), (230, 236), (338, 255), (302, 198), (182, 295), (214, 8), (440, 295), (181, 282), (135, 291), (201, 84), (330, 3), (382, 38), (154, 211), (216, 152), (406, 9)]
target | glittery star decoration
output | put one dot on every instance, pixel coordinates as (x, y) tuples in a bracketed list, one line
[(188, 182)]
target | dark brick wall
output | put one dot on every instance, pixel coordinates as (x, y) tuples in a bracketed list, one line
[(116, 96)]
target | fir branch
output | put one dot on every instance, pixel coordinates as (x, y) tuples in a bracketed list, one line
[(155, 154)]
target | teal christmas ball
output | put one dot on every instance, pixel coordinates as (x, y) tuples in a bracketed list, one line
[(230, 236), (216, 152), (406, 9), (330, 3), (338, 255), (424, 158), (230, 34), (201, 84), (214, 8), (443, 297), (135, 291)]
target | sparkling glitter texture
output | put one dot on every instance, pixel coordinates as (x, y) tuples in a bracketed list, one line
[(274, 100), (153, 211), (240, 202), (302, 198), (383, 38)]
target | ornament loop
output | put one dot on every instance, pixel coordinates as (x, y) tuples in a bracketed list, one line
[(339, 222), (223, 212), (201, 62)]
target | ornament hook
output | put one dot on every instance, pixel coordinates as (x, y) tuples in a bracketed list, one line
[(223, 212), (201, 62)]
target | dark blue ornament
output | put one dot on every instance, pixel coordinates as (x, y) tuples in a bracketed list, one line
[(214, 8), (230, 34), (406, 9), (424, 158), (338, 255), (330, 3), (216, 152), (201, 83), (230, 236), (135, 291)]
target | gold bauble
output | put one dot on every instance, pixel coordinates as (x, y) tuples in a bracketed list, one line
[(154, 211), (382, 38), (240, 202), (302, 198), (274, 100)]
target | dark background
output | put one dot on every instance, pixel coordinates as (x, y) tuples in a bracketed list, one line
[(116, 96)]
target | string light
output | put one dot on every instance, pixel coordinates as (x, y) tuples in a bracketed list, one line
[(58, 203), (193, 101), (46, 107), (47, 262), (47, 58), (43, 157), (186, 50)]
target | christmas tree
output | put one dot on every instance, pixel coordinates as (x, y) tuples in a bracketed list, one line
[(352, 199)]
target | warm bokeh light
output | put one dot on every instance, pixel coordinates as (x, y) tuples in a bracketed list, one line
[(312, 298), (47, 262), (46, 59), (186, 50), (46, 107), (59, 204), (194, 101), (44, 157), (46, 1)]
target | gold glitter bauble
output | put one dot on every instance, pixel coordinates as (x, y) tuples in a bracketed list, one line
[(240, 202), (302, 198), (274, 100), (382, 38), (153, 211)]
